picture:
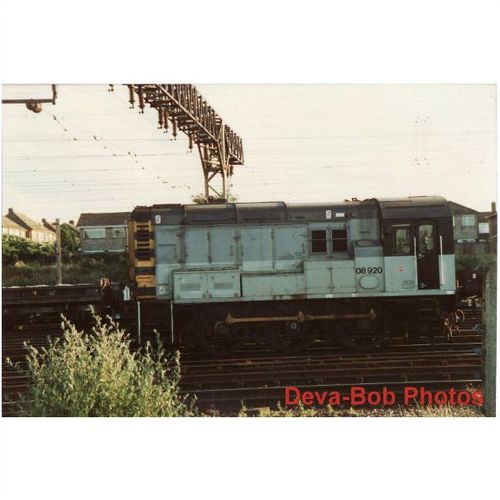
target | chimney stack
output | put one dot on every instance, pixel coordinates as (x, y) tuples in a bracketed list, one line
[(493, 207)]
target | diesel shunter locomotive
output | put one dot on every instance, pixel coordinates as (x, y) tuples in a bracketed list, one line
[(356, 272)]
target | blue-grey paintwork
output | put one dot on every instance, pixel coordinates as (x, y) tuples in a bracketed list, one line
[(272, 261)]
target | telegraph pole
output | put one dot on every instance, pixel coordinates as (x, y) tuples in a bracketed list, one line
[(59, 252)]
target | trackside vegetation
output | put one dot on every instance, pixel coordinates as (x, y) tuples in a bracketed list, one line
[(396, 411), (99, 375), (479, 263), (25, 263)]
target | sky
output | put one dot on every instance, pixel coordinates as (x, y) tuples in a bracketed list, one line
[(302, 143)]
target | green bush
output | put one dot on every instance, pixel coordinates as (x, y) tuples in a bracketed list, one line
[(69, 241), (98, 375), (479, 263), (16, 249), (82, 270)]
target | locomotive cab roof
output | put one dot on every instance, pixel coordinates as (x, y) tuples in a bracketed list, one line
[(414, 207)]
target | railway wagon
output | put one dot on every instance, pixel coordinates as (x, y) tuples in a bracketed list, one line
[(359, 271), (36, 304)]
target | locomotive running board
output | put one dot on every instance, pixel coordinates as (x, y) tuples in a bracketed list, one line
[(300, 317)]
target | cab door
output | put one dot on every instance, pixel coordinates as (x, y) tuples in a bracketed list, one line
[(427, 253)]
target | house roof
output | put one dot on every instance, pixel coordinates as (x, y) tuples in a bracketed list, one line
[(456, 208), (106, 219), (22, 219), (6, 222)]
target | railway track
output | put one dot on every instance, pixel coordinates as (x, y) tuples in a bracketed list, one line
[(258, 376), (260, 379), (263, 381)]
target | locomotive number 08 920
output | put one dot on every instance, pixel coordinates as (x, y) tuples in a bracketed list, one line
[(369, 270)]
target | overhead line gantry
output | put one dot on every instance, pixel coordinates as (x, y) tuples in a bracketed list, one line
[(181, 108)]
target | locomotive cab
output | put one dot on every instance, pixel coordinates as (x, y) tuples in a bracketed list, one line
[(417, 236)]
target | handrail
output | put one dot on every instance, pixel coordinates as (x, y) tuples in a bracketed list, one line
[(441, 267), (416, 262)]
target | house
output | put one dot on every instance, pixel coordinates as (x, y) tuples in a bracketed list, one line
[(103, 232), (32, 230), (471, 229), (10, 228)]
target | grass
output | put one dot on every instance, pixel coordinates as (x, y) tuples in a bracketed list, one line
[(396, 411)]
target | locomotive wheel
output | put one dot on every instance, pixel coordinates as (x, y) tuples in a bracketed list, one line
[(289, 338), (361, 340), (215, 337)]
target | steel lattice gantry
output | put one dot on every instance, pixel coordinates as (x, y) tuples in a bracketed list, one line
[(181, 107)]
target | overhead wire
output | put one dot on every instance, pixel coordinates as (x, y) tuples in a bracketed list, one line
[(276, 169), (63, 123)]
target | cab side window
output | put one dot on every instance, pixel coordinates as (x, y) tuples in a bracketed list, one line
[(402, 240), (339, 240), (318, 241)]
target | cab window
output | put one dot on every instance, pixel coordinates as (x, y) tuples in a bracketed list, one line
[(339, 240), (318, 241), (426, 238), (402, 240)]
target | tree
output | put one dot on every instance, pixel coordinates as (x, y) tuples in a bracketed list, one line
[(475, 262), (69, 240), (200, 199)]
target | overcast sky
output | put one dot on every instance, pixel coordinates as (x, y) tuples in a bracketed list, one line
[(302, 143)]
